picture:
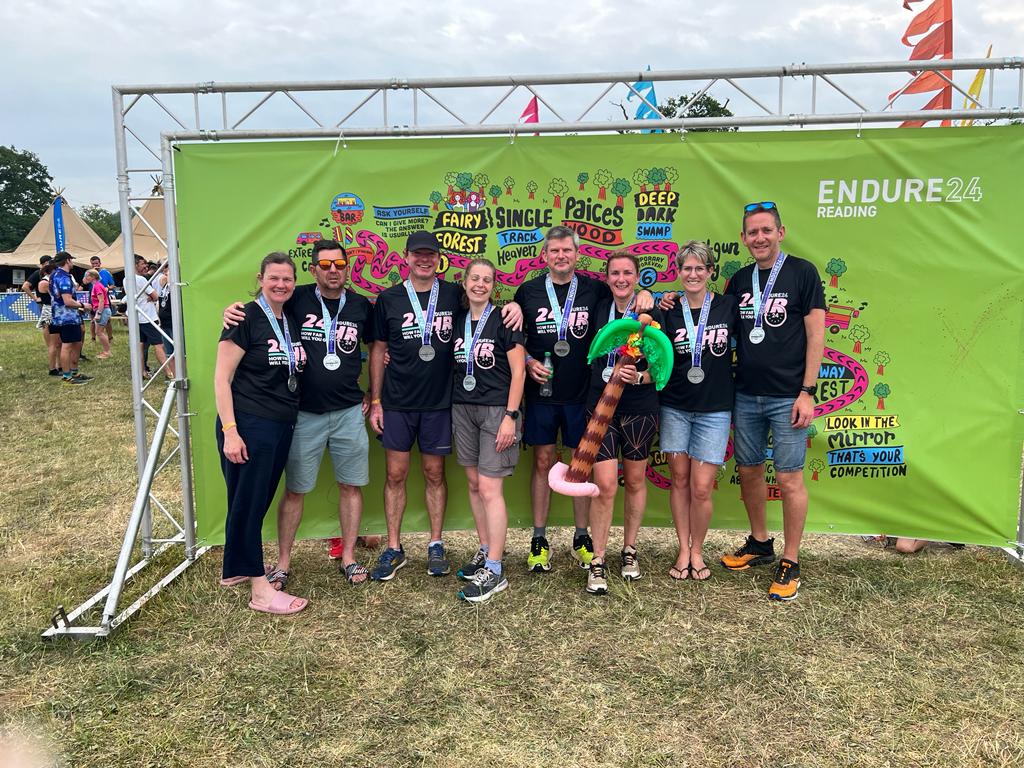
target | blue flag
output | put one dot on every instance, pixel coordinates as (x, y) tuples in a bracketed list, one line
[(58, 224), (644, 112)]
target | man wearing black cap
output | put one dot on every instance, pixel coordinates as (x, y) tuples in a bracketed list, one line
[(42, 297), (67, 318), (411, 396)]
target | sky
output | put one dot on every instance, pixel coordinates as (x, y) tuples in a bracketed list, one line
[(61, 57)]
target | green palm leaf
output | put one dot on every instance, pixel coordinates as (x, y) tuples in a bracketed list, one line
[(654, 344)]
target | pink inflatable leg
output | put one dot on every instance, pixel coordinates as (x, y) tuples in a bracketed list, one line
[(558, 483)]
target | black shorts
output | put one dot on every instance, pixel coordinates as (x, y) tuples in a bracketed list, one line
[(69, 334), (630, 435), (431, 429), (148, 334)]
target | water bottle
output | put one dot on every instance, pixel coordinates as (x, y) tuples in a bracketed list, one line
[(547, 389)]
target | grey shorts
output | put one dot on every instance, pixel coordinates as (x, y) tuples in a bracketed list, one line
[(475, 428), (343, 433)]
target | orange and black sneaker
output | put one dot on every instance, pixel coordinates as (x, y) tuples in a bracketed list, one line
[(753, 552), (786, 583)]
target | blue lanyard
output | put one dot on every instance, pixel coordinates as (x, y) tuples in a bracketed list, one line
[(561, 317), (696, 336), (756, 279), (283, 339), (614, 354), (428, 322), (468, 341), (332, 330)]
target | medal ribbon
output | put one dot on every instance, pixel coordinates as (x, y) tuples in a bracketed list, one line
[(562, 318), (427, 323), (756, 279), (696, 336), (469, 341), (283, 339), (332, 330), (614, 354)]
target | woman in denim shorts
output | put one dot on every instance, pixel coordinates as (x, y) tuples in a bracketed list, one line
[(99, 297), (696, 404)]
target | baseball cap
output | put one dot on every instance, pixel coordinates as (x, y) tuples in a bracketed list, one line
[(422, 240), (45, 260), (62, 258)]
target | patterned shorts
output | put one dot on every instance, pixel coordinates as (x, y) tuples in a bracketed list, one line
[(45, 315), (628, 435)]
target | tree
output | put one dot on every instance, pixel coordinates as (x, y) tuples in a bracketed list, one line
[(719, 476), (812, 432), (531, 187), (882, 359), (104, 223), (509, 182), (464, 181), (881, 391), (859, 334), (481, 180), (816, 466), (704, 105), (656, 176), (558, 187), (620, 188), (836, 268), (436, 198), (729, 270), (449, 179), (24, 195), (494, 191), (583, 177), (602, 178), (640, 179), (672, 176)]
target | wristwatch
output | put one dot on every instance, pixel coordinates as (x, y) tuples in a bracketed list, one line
[(811, 390), (514, 415)]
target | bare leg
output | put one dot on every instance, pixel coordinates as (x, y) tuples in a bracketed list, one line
[(350, 514), (52, 348), (794, 511), (910, 546), (437, 493), (540, 493), (634, 474), (702, 481), (394, 495), (289, 515), (606, 478), (496, 515), (581, 511), (755, 497), (104, 341), (679, 503), (476, 503)]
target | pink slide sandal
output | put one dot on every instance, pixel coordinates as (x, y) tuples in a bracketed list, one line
[(280, 604)]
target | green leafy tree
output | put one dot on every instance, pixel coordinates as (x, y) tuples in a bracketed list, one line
[(859, 334), (557, 188), (494, 191), (509, 182), (620, 188), (704, 105), (881, 391), (481, 180), (719, 476), (837, 268), (812, 432), (640, 178), (671, 177), (464, 181), (656, 176), (449, 179), (882, 359), (602, 178), (531, 187), (816, 466), (394, 277), (583, 177), (729, 270), (104, 223), (24, 194), (436, 198)]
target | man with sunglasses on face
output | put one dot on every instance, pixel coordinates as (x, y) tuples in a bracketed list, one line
[(778, 356), (332, 406)]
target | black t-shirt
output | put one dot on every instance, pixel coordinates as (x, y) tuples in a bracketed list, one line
[(572, 374), (324, 390), (716, 392), (490, 355), (164, 310), (260, 386), (636, 398), (410, 384), (775, 367), (33, 283)]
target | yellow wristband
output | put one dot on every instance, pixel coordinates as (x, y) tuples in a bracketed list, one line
[(226, 427), (375, 402)]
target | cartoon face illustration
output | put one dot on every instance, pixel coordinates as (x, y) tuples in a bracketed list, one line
[(579, 322), (775, 311), (483, 354)]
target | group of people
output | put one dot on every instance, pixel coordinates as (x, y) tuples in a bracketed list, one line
[(445, 363)]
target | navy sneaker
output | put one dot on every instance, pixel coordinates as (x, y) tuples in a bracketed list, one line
[(437, 562), (390, 561), (484, 585), (466, 572)]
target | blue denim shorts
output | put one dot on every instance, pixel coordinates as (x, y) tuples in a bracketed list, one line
[(701, 436), (754, 416)]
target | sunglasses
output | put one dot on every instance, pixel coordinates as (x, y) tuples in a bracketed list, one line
[(767, 205), (325, 264)]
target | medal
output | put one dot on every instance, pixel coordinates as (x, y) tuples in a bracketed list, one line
[(427, 353), (425, 323), (469, 341), (561, 316), (332, 362), (695, 375), (606, 374), (284, 341), (756, 335), (696, 336), (293, 382), (469, 383), (562, 348)]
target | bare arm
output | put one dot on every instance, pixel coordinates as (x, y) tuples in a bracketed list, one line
[(377, 385), (814, 326), (512, 316), (229, 355), (506, 437)]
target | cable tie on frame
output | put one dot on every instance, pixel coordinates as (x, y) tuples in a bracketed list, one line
[(341, 140), (860, 124), (512, 135)]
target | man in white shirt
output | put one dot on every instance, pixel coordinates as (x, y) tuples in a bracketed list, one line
[(146, 306)]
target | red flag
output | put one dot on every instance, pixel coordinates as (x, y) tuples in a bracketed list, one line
[(929, 81), (906, 4), (933, 44), (942, 100), (936, 13), (531, 113)]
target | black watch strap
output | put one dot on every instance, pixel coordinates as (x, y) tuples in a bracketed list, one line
[(514, 415), (811, 390)]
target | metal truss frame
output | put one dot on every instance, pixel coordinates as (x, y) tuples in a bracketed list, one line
[(789, 106)]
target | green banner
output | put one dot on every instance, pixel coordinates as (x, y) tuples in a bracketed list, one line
[(916, 430)]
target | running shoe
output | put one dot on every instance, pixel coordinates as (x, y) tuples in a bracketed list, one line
[(484, 584), (336, 548), (437, 562), (390, 561), (597, 578), (630, 570), (74, 380), (786, 583), (539, 560), (753, 552), (467, 571), (583, 550), (83, 377)]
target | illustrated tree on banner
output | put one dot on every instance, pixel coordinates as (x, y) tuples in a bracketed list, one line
[(933, 28)]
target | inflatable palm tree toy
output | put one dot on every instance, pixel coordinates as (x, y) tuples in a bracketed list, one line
[(635, 338)]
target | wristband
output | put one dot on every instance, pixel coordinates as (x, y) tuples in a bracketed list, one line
[(529, 359), (375, 402), (226, 427)]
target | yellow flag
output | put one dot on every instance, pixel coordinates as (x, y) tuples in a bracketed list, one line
[(975, 91)]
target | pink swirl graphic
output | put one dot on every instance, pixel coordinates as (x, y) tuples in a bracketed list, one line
[(860, 384)]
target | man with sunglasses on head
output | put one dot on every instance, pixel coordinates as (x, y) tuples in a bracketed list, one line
[(778, 356), (332, 405)]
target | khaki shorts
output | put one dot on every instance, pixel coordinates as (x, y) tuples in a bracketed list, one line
[(475, 428)]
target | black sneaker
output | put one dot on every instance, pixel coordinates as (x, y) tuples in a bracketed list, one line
[(467, 571), (83, 357), (484, 584), (539, 560), (55, 372), (753, 552), (583, 550), (83, 377)]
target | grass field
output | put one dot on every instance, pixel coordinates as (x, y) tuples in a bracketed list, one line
[(883, 661)]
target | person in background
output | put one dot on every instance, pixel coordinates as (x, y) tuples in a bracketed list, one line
[(164, 317), (108, 282), (146, 298), (99, 298), (37, 286)]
